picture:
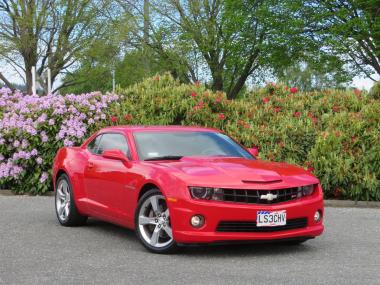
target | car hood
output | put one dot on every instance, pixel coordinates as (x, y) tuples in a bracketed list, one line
[(237, 172)]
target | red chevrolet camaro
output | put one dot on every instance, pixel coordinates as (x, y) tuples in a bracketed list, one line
[(183, 185)]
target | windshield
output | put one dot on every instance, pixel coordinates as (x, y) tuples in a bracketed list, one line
[(170, 145)]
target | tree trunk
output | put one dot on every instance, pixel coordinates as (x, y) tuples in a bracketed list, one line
[(146, 58), (6, 82), (237, 87), (146, 21), (248, 69), (217, 79), (29, 79)]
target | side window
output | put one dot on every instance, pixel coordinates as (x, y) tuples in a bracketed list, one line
[(94, 144), (114, 141)]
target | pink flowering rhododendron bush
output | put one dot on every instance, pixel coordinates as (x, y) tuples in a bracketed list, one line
[(33, 128)]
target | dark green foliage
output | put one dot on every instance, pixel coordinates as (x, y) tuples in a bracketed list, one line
[(375, 91)]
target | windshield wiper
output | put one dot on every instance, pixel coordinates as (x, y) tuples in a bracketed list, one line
[(165, 157)]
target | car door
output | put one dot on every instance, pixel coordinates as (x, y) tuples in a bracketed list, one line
[(105, 179)]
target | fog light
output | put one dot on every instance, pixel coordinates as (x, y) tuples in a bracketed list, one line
[(197, 221), (317, 216)]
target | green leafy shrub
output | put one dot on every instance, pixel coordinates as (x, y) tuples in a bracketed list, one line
[(375, 91)]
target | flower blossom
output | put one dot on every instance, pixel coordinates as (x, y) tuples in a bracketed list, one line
[(44, 177)]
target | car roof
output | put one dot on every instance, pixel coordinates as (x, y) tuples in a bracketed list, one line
[(137, 128)]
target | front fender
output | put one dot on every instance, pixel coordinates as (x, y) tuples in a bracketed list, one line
[(72, 162), (171, 187)]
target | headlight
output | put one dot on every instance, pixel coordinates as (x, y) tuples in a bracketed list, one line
[(306, 190), (206, 193), (201, 192)]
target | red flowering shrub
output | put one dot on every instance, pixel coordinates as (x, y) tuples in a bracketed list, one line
[(266, 100), (297, 114), (128, 117), (333, 134)]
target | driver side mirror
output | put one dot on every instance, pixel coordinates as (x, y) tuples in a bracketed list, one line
[(115, 154), (254, 151)]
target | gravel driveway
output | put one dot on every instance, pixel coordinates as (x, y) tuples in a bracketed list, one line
[(35, 249)]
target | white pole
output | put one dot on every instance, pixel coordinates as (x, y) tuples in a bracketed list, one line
[(34, 80), (49, 80), (113, 81)]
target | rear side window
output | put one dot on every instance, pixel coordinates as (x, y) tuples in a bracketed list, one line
[(94, 144), (113, 141)]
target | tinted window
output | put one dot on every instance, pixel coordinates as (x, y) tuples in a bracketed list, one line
[(94, 144), (113, 141), (156, 144)]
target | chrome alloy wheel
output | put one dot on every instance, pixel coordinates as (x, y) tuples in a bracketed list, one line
[(63, 200), (154, 222)]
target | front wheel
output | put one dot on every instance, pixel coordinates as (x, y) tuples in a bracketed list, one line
[(152, 220)]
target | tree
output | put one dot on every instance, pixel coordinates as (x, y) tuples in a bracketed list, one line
[(96, 61), (226, 41), (347, 28), (315, 71), (96, 74), (307, 78), (156, 41), (46, 34)]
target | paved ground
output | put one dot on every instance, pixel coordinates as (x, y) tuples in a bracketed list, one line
[(34, 249)]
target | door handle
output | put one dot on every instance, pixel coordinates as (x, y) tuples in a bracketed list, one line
[(90, 165)]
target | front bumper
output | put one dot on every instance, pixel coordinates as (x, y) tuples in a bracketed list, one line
[(215, 212)]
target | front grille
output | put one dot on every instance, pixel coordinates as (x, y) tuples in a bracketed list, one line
[(250, 226), (252, 196)]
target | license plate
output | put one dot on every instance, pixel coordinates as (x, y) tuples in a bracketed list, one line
[(271, 219)]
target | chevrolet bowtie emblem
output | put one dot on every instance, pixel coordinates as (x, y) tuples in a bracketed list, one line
[(268, 197)]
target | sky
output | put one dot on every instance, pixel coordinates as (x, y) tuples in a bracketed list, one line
[(364, 83)]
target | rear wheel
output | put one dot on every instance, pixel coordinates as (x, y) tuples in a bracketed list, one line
[(152, 220), (65, 208)]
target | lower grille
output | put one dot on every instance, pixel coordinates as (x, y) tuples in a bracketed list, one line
[(250, 226)]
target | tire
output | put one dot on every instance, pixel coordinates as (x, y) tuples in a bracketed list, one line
[(152, 223), (65, 208)]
